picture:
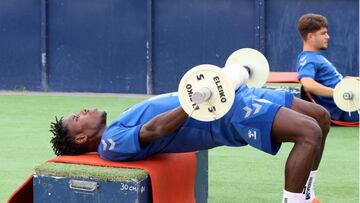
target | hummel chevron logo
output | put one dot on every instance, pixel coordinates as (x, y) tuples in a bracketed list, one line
[(264, 101), (112, 144), (104, 145), (257, 108), (302, 61), (249, 110)]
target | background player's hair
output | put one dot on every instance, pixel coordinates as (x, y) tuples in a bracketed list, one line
[(311, 22), (62, 141)]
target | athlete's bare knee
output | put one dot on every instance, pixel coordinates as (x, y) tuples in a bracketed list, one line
[(319, 113), (311, 134), (323, 118)]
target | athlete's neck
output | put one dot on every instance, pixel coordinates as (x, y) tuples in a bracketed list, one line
[(93, 143), (309, 48)]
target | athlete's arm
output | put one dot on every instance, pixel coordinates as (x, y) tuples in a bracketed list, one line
[(162, 125), (316, 88)]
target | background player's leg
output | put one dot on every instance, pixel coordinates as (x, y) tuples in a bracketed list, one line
[(320, 114), (304, 131)]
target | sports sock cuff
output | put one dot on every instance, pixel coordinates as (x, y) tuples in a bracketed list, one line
[(291, 197), (313, 173)]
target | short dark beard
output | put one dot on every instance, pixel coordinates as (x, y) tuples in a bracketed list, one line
[(103, 117)]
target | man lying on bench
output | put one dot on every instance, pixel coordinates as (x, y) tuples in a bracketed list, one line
[(261, 118)]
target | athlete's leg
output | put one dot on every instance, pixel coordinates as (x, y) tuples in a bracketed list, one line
[(306, 134), (321, 115)]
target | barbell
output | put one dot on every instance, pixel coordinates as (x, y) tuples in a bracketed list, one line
[(207, 92), (346, 94)]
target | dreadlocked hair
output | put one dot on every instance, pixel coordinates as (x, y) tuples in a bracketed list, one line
[(62, 142)]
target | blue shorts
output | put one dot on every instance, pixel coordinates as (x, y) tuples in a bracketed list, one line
[(275, 96), (253, 115)]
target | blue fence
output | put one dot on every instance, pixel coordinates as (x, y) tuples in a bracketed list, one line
[(130, 46)]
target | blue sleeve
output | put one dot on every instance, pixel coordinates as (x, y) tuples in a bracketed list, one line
[(120, 143), (306, 70)]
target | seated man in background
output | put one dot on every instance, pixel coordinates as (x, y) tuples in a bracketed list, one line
[(160, 125), (318, 75)]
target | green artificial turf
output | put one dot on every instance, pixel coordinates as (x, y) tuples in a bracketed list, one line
[(86, 171), (24, 130), (235, 174)]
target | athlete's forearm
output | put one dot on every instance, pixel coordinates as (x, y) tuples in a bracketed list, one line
[(162, 125), (316, 88)]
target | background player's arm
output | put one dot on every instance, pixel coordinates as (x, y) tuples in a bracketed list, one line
[(357, 78), (316, 88), (162, 125)]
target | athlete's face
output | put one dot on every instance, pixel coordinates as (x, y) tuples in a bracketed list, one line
[(319, 39), (86, 123)]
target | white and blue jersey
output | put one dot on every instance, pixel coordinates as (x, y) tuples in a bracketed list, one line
[(314, 65), (249, 121)]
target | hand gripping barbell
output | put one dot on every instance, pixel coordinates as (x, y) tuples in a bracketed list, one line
[(207, 92)]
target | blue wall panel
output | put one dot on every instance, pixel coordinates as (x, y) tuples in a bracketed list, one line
[(20, 61), (97, 46), (132, 46), (283, 43), (189, 33)]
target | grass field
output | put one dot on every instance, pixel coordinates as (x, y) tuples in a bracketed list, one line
[(235, 174)]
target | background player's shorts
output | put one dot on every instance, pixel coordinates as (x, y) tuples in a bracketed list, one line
[(253, 115), (350, 117)]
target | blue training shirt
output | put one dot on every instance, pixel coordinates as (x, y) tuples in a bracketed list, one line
[(317, 67), (120, 141)]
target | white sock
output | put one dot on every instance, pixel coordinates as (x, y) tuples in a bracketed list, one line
[(290, 197), (309, 189)]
